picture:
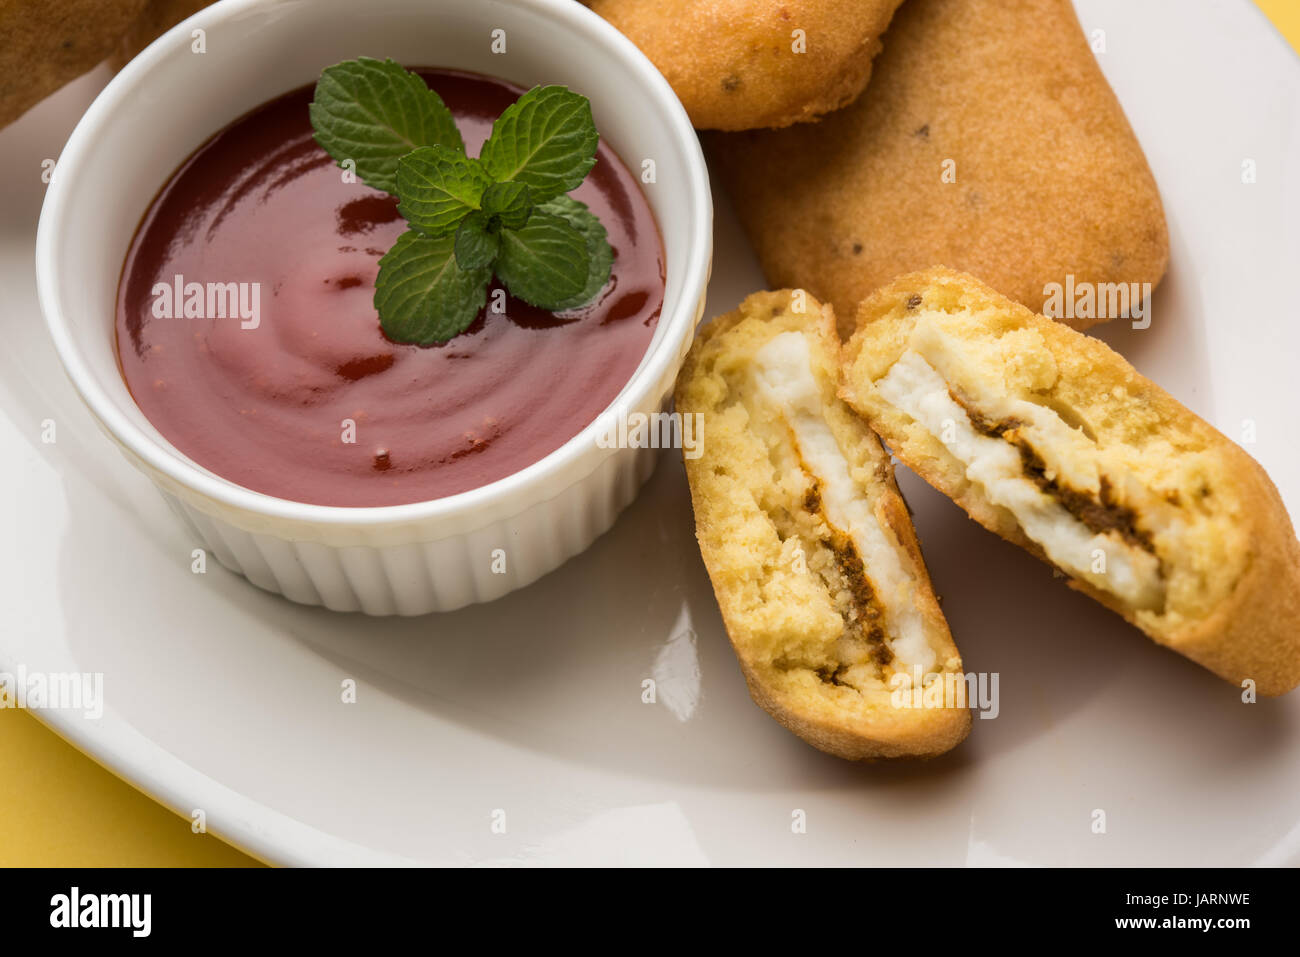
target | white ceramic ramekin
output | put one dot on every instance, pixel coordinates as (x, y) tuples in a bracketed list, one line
[(406, 559)]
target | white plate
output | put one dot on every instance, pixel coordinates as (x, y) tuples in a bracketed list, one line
[(223, 698)]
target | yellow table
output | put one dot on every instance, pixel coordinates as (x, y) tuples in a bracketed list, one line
[(60, 808), (1285, 15)]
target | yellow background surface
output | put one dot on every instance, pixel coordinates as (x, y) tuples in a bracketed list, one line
[(60, 808), (1285, 15)]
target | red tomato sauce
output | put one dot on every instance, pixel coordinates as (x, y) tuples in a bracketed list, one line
[(269, 407)]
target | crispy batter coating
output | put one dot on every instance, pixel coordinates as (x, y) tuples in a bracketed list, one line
[(737, 64), (988, 140), (47, 43), (1229, 561)]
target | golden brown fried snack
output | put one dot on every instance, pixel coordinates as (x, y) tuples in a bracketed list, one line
[(46, 43), (1004, 98), (157, 17), (808, 544), (734, 65), (1050, 439)]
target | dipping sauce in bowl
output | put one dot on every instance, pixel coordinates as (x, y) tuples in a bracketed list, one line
[(247, 333)]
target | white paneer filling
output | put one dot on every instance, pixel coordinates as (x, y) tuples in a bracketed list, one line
[(1104, 560), (784, 374)]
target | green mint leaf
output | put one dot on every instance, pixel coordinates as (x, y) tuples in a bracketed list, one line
[(546, 140), (438, 187), (546, 262), (422, 295), (372, 112), (510, 203), (601, 255), (476, 244)]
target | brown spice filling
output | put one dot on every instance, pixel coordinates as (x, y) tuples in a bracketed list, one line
[(866, 620), (1101, 512), (834, 676)]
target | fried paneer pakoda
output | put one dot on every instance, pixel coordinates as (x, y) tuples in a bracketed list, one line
[(808, 544), (988, 140), (742, 64)]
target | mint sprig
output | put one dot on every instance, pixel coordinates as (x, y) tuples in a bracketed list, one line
[(438, 187), (598, 248), (477, 247), (423, 293), (504, 213), (546, 261), (373, 112), (546, 140), (511, 203)]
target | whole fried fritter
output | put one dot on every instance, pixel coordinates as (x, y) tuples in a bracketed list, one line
[(988, 140), (746, 64), (46, 43)]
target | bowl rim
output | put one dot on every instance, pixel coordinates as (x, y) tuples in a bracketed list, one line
[(662, 352)]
